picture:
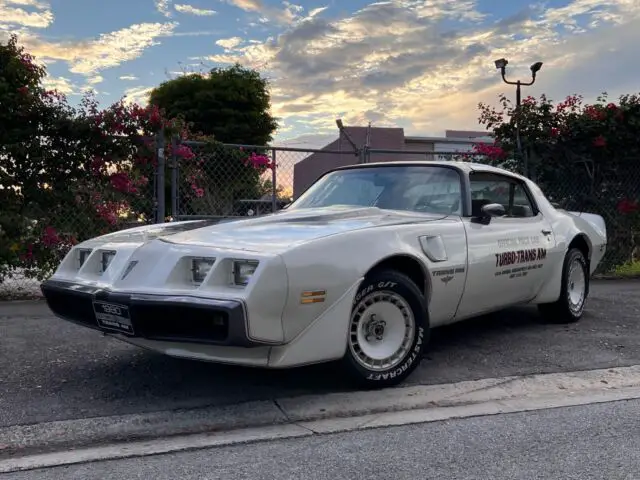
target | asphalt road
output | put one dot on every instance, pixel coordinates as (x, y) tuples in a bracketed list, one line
[(52, 370), (596, 442)]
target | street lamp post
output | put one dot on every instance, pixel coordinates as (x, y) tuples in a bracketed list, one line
[(501, 65)]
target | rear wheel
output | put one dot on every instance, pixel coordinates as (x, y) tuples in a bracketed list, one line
[(388, 330), (573, 295)]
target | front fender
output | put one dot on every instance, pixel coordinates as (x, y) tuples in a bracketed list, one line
[(333, 265), (323, 339)]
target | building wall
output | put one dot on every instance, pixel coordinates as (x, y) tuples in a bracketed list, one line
[(315, 165)]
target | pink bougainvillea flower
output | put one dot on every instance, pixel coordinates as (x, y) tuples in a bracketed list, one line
[(142, 181), (122, 183), (258, 161), (594, 112), (50, 237), (599, 141), (626, 206), (184, 152), (491, 151)]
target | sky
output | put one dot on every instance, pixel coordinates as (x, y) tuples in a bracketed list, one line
[(423, 65)]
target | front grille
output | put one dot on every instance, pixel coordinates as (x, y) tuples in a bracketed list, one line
[(180, 323)]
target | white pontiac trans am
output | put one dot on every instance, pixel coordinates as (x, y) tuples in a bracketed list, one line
[(356, 270)]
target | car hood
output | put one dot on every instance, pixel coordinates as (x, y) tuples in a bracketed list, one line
[(277, 232)]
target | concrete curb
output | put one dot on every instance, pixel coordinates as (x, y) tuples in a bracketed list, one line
[(307, 410), (51, 436)]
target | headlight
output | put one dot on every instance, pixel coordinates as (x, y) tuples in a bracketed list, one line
[(106, 259), (83, 254), (243, 270), (200, 267)]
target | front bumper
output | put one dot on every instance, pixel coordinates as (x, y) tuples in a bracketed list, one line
[(168, 318)]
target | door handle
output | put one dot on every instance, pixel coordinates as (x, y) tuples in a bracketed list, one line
[(546, 232)]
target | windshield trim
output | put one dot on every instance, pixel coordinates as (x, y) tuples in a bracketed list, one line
[(464, 180)]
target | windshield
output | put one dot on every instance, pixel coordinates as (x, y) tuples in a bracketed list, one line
[(418, 188)]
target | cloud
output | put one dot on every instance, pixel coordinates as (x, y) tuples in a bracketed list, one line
[(182, 8), (128, 77), (61, 84), (163, 6), (139, 95), (200, 33), (316, 11), (87, 57), (13, 14), (28, 3), (248, 5), (426, 65), (95, 80), (229, 43), (285, 15)]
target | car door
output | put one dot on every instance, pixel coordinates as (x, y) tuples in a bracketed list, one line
[(507, 256)]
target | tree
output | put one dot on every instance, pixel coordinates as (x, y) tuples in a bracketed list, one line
[(230, 104), (66, 174), (585, 157)]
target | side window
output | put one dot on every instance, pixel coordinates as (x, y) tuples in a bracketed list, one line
[(492, 188), (439, 192)]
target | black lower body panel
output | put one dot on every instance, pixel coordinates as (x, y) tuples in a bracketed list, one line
[(173, 318)]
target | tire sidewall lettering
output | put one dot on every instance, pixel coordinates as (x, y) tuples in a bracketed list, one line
[(371, 287)]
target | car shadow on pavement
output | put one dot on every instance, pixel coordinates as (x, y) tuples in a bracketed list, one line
[(189, 383), (474, 331)]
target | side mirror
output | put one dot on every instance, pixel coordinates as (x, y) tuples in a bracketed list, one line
[(488, 212), (493, 210)]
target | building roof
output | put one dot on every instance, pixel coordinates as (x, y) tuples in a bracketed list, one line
[(464, 166), (466, 134)]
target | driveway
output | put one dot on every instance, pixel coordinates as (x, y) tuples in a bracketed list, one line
[(53, 370)]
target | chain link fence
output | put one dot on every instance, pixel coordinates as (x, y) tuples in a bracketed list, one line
[(611, 192), (220, 181), (223, 181)]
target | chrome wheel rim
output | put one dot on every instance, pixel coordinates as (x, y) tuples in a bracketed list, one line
[(576, 287), (381, 330)]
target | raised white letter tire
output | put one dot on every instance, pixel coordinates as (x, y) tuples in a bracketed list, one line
[(388, 330)]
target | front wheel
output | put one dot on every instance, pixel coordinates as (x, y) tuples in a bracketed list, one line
[(388, 330), (574, 291)]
